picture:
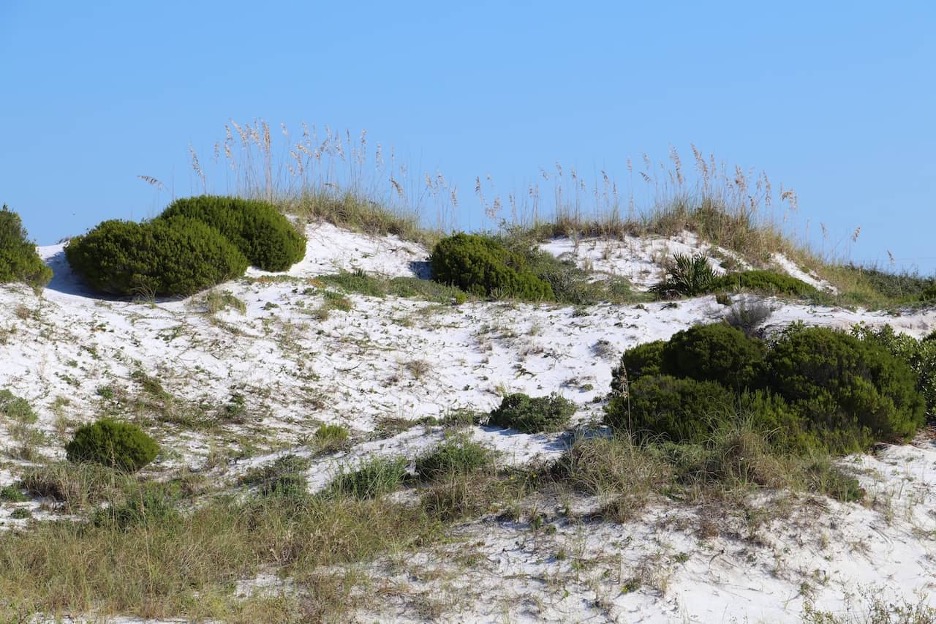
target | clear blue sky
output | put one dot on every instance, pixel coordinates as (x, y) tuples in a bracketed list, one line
[(836, 100)]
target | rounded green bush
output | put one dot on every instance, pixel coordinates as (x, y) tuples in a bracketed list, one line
[(850, 392), (667, 408), (111, 443), (19, 261), (480, 265), (715, 352), (643, 359), (163, 257), (263, 235), (533, 414)]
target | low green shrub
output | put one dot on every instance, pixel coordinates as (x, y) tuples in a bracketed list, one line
[(689, 276), (714, 352), (763, 282), (643, 359), (533, 414), (16, 408), (111, 443), (257, 229), (19, 261), (163, 257), (481, 265), (662, 407), (454, 456), (850, 392)]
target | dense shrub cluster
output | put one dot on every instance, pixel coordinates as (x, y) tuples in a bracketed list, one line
[(811, 387), (164, 257), (662, 406), (194, 244), (481, 265), (715, 352), (111, 443), (19, 261), (644, 359), (533, 414), (919, 354), (257, 229)]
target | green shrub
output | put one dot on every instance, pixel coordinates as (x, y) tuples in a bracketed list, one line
[(714, 352), (482, 266), (533, 414), (263, 235), (850, 392), (16, 408), (688, 277), (666, 408), (644, 359), (19, 261), (928, 293), (376, 477), (919, 354), (456, 456), (111, 443), (164, 257), (12, 494), (765, 282)]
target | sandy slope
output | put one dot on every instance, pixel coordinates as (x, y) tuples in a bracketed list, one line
[(67, 352)]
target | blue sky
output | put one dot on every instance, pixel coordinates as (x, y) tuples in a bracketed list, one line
[(836, 101)]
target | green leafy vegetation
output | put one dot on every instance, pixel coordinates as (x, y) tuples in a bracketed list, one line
[(763, 282), (163, 257), (810, 388), (111, 443), (455, 456), (262, 234), (714, 352), (482, 266), (533, 414), (688, 276), (19, 261), (16, 408)]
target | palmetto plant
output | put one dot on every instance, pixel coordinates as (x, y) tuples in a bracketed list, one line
[(689, 276)]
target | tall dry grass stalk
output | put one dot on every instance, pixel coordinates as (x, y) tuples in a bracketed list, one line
[(340, 177)]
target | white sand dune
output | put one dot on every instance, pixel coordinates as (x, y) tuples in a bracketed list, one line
[(62, 348)]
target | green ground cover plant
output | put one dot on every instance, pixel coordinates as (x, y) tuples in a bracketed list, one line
[(528, 414)]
